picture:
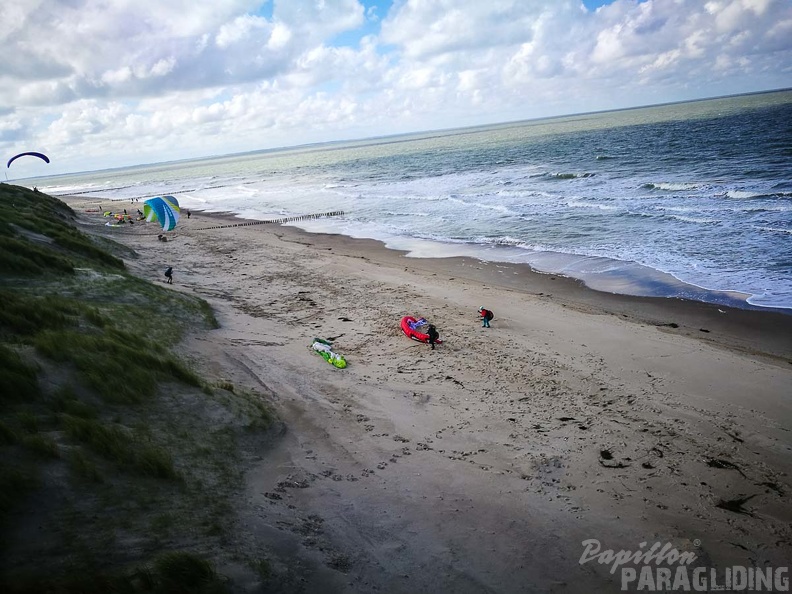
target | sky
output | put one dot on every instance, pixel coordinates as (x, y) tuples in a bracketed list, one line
[(97, 84)]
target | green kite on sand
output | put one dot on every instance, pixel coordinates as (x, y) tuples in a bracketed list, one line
[(324, 349)]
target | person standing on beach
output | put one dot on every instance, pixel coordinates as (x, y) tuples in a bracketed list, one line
[(486, 316), (431, 331), (169, 274)]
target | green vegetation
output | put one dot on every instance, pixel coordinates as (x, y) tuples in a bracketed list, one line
[(107, 437), (171, 573), (122, 367), (181, 572), (122, 447), (17, 378), (37, 237)]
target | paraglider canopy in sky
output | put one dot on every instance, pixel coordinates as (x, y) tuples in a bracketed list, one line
[(163, 209), (28, 154)]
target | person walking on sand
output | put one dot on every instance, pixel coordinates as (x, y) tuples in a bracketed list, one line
[(486, 316), (431, 331), (169, 274)]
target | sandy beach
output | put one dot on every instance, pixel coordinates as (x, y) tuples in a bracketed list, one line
[(484, 465)]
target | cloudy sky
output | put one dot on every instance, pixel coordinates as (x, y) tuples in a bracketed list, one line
[(107, 83)]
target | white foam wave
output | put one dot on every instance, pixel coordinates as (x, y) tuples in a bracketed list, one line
[(694, 220), (407, 214), (79, 188), (579, 204), (521, 193), (418, 197), (686, 209), (743, 194), (503, 240), (774, 230), (484, 206), (764, 209), (676, 186)]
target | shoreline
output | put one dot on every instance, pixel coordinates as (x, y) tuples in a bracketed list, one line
[(626, 278), (629, 279), (751, 329), (484, 465), (755, 330)]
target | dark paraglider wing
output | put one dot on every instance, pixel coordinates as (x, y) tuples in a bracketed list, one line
[(30, 154)]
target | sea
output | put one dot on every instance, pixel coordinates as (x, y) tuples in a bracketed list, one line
[(685, 201)]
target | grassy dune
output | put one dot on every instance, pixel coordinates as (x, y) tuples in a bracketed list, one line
[(115, 472)]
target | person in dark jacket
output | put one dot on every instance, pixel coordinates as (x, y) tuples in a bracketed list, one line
[(486, 316), (169, 274), (433, 335)]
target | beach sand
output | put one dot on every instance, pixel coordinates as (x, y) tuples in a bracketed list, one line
[(481, 466)]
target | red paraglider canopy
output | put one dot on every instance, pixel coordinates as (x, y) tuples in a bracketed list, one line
[(39, 155)]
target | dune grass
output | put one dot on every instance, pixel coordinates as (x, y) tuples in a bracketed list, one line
[(18, 378), (122, 367), (183, 572), (26, 259), (37, 236), (83, 468), (176, 572), (99, 420), (121, 446)]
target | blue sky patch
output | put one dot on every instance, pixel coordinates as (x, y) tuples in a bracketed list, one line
[(376, 11), (593, 5), (265, 10)]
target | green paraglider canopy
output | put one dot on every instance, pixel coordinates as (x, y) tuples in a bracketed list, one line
[(164, 210)]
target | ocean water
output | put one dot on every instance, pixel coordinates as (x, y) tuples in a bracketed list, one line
[(690, 200)]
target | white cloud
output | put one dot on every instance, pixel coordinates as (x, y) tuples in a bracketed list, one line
[(424, 29), (163, 67), (142, 80), (241, 29), (317, 20), (280, 37)]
